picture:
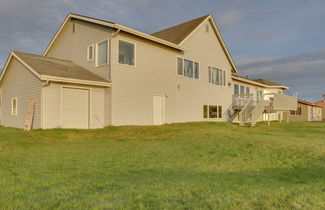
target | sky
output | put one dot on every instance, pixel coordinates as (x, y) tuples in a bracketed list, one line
[(279, 40)]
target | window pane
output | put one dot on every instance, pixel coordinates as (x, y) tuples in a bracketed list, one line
[(217, 77), (188, 68), (236, 89), (242, 90), (224, 78), (196, 70), (205, 111), (126, 53), (102, 53), (214, 76), (248, 90), (209, 71), (213, 111), (180, 66), (90, 52), (220, 111)]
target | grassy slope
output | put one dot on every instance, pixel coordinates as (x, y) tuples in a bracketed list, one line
[(193, 165)]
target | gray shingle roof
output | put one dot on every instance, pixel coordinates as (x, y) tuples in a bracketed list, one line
[(176, 34), (58, 68)]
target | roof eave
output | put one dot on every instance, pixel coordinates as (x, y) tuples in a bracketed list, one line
[(75, 81), (258, 83), (115, 26)]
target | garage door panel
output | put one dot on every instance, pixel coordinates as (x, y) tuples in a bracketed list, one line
[(75, 108)]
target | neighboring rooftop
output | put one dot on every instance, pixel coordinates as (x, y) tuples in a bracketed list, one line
[(176, 34), (262, 82), (309, 103), (267, 82), (57, 67)]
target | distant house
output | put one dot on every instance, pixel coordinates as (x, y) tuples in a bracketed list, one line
[(322, 104), (306, 112), (95, 73)]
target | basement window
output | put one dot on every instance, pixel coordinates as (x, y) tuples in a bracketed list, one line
[(14, 106), (212, 112)]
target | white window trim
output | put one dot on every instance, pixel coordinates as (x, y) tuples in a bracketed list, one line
[(208, 111), (93, 52), (96, 54), (226, 77), (12, 108), (135, 53), (194, 61)]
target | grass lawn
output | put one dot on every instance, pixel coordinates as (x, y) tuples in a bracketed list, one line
[(180, 166)]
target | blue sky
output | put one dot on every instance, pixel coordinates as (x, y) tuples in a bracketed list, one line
[(279, 40)]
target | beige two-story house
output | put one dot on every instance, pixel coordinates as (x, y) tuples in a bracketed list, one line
[(96, 73)]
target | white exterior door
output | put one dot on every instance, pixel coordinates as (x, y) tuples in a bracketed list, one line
[(75, 108), (158, 110)]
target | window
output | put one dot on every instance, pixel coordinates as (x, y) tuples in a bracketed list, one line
[(14, 106), (242, 89), (126, 53), (212, 111), (259, 95), (217, 76), (102, 53), (296, 112), (248, 90), (91, 53), (188, 68), (236, 89)]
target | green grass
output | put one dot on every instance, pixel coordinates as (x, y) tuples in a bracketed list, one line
[(180, 166)]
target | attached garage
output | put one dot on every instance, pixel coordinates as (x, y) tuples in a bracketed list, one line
[(66, 94), (75, 108)]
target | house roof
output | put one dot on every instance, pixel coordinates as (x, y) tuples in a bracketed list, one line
[(170, 40), (176, 34), (46, 68), (267, 82), (259, 82), (309, 103)]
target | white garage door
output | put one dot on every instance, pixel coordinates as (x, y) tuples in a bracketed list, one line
[(75, 108)]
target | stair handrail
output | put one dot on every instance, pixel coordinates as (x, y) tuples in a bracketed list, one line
[(244, 111)]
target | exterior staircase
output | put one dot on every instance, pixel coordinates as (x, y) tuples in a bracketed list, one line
[(249, 111)]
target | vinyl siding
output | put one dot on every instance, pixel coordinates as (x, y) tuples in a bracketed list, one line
[(298, 118), (156, 73), (21, 83), (52, 102), (73, 46)]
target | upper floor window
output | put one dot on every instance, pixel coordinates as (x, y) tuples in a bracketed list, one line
[(14, 106), (188, 68), (126, 53), (217, 76), (91, 53), (102, 53)]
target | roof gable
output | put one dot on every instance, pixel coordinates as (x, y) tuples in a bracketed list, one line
[(176, 34)]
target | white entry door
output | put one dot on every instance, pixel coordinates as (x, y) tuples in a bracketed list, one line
[(75, 108), (158, 110)]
